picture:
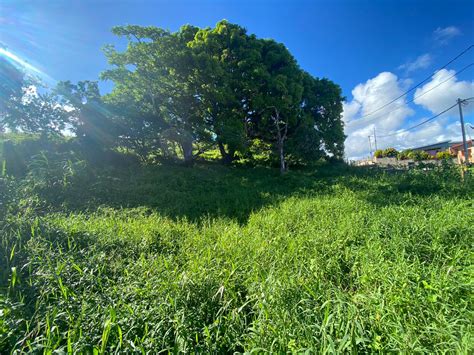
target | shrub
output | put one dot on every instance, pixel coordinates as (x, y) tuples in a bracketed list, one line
[(50, 175), (444, 155), (9, 195), (425, 156), (419, 155), (386, 153), (390, 152), (379, 153), (19, 151), (404, 155)]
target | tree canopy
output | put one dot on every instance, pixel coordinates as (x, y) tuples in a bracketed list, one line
[(197, 89), (23, 107)]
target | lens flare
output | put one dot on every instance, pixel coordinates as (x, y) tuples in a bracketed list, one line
[(25, 65)]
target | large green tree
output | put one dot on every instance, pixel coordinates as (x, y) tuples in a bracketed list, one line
[(276, 97), (221, 87), (225, 58), (153, 77)]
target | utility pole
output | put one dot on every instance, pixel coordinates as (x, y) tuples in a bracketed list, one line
[(375, 139), (466, 151), (370, 146)]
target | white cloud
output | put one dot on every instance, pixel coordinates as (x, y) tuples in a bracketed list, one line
[(368, 97), (444, 35), (350, 110), (446, 95), (443, 129), (422, 62), (385, 87)]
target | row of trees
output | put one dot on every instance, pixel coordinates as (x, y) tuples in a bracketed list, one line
[(191, 91), (417, 155)]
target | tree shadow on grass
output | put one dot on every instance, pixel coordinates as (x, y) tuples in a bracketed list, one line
[(212, 190), (204, 190)]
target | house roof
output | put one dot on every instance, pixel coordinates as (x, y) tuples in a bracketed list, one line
[(439, 145), (460, 144)]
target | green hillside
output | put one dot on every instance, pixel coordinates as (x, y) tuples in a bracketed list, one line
[(222, 260)]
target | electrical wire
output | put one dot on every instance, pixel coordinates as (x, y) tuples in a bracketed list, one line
[(419, 124), (427, 91), (420, 83), (427, 120)]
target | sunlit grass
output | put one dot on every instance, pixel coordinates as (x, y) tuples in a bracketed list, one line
[(337, 263)]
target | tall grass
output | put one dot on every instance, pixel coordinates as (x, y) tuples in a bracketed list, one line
[(226, 260)]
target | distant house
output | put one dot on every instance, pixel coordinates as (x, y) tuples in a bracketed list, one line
[(432, 149), (457, 149)]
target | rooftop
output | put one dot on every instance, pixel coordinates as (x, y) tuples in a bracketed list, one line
[(439, 145), (458, 144)]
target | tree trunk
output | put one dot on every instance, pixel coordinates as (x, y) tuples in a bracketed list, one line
[(282, 157), (226, 157), (281, 136), (187, 148)]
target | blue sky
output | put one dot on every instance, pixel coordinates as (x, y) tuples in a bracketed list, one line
[(373, 49)]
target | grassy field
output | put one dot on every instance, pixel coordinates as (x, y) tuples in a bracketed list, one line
[(223, 260)]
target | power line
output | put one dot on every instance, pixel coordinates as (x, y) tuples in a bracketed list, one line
[(420, 83), (427, 120), (420, 124), (427, 91)]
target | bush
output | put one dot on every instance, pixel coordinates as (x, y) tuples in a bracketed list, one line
[(50, 175), (404, 155), (390, 152), (444, 155), (419, 155), (18, 153), (379, 153), (386, 153), (9, 195)]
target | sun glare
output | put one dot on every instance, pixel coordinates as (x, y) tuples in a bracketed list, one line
[(24, 64)]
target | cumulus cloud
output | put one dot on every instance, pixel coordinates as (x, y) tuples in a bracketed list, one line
[(422, 62), (440, 130), (368, 97), (444, 35), (385, 87), (449, 91)]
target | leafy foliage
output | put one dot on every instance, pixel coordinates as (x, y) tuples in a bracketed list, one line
[(386, 153), (202, 88), (404, 155), (379, 153), (446, 155), (419, 155)]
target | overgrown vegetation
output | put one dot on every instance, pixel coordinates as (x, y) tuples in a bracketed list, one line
[(109, 246), (220, 259)]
